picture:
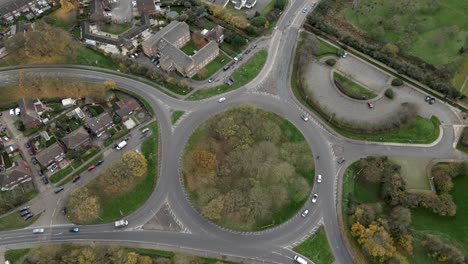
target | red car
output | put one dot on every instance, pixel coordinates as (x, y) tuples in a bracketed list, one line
[(76, 178), (370, 105), (91, 167)]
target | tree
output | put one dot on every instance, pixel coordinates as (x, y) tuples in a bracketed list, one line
[(389, 93), (391, 49), (280, 4), (443, 251), (443, 183), (214, 208), (204, 159), (259, 21), (110, 85), (83, 207)]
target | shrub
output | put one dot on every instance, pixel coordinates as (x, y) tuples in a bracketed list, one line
[(331, 62), (389, 93), (397, 82)]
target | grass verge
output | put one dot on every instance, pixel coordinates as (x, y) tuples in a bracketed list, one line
[(352, 89), (212, 67), (176, 115), (316, 248), (15, 221), (242, 76), (16, 255), (61, 174)]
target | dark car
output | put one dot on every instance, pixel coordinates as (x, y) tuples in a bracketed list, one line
[(341, 160), (40, 172), (77, 177), (99, 162), (27, 217), (34, 161), (23, 213), (27, 145), (432, 100), (59, 189), (64, 210), (26, 208), (115, 146), (45, 180)]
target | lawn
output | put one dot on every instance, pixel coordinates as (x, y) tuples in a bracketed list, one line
[(15, 221), (352, 89), (414, 171), (176, 115), (327, 49), (7, 160), (460, 76), (16, 255), (242, 76), (108, 142), (189, 48), (435, 35), (212, 67), (88, 56), (316, 248), (116, 29), (58, 176), (133, 199)]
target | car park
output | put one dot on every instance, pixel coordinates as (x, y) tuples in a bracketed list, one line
[(59, 189), (77, 177), (370, 105), (45, 180), (345, 55), (74, 230), (92, 167), (319, 178), (305, 213), (304, 117), (38, 230), (222, 99), (314, 197)]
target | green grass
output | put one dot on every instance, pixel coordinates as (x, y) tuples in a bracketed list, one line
[(326, 49), (107, 142), (353, 89), (242, 76), (213, 67), (189, 48), (176, 115), (15, 221), (138, 195), (413, 171), (267, 8), (16, 255), (58, 176), (91, 57), (7, 160), (462, 147), (116, 29), (316, 248)]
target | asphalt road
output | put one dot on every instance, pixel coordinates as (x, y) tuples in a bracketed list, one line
[(272, 245)]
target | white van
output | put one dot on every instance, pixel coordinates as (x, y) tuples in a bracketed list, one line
[(300, 260), (121, 145)]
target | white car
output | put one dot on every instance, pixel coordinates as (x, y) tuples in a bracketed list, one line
[(12, 111), (210, 80), (319, 178), (222, 99), (314, 198), (6, 138), (345, 55), (305, 213), (38, 230), (304, 117), (304, 10)]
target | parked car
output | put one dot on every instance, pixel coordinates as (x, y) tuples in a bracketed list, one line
[(370, 105), (222, 99), (38, 230), (45, 180), (305, 213), (314, 198), (26, 208), (59, 189), (75, 230), (54, 168), (304, 10), (432, 100), (341, 160), (254, 46), (247, 51), (27, 145), (99, 162), (428, 98), (23, 213), (12, 111), (92, 167), (77, 177), (27, 217), (145, 130), (319, 178), (6, 138), (345, 55), (300, 259), (34, 160), (210, 80)]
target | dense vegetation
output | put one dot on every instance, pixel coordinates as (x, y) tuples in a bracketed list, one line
[(73, 254), (247, 169), (378, 211), (417, 38)]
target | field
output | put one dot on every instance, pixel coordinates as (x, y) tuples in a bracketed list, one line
[(15, 221), (242, 76), (414, 172), (352, 89), (280, 170), (316, 248)]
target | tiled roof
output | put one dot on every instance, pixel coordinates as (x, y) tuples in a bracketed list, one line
[(76, 138), (48, 155)]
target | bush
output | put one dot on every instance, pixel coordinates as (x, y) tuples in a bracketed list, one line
[(389, 93), (331, 62), (397, 82)]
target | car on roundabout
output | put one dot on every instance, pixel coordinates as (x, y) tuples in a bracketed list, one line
[(319, 178), (314, 198), (305, 213)]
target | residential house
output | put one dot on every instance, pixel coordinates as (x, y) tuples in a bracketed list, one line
[(77, 139), (31, 111), (126, 106), (11, 149), (216, 34), (54, 153), (167, 43), (17, 176), (99, 124), (145, 6)]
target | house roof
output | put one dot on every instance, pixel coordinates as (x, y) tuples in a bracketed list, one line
[(96, 124), (11, 148), (171, 32), (75, 138), (173, 54), (12, 5), (46, 156), (216, 33), (172, 14), (16, 174), (145, 6), (205, 52), (126, 106), (28, 111)]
